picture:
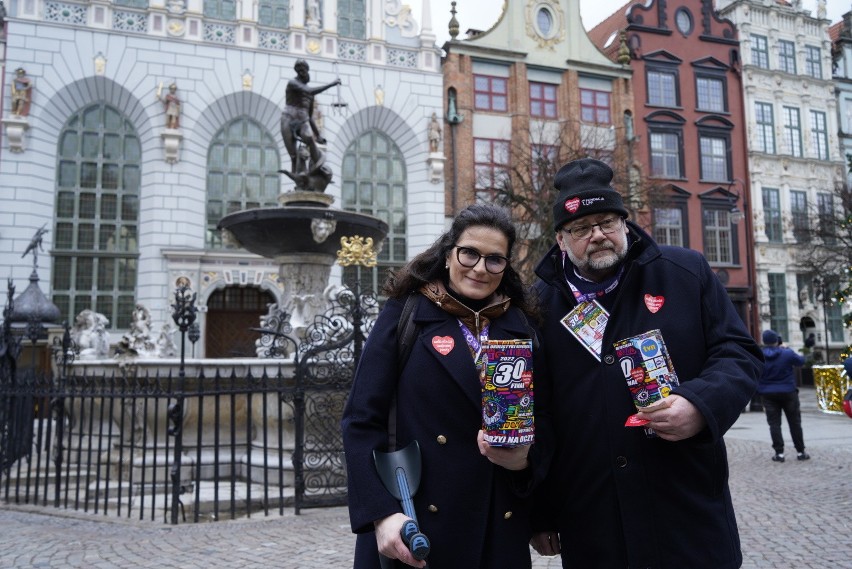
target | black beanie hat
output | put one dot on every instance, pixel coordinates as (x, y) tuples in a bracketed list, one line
[(584, 188)]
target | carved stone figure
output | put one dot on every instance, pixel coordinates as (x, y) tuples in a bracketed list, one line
[(138, 340), (171, 104), (22, 93), (166, 347), (90, 334), (435, 134), (321, 229)]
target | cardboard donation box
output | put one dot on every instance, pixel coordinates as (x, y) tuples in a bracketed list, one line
[(648, 370), (507, 392)]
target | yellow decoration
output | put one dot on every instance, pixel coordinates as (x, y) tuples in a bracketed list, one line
[(356, 250), (830, 384)]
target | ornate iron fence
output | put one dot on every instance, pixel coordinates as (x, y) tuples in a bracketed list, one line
[(196, 443)]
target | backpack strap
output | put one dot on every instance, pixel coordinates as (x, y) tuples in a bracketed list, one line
[(406, 334), (406, 331)]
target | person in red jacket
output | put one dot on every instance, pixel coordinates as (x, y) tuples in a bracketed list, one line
[(777, 388)]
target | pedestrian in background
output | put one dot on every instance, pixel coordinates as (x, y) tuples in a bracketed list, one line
[(777, 388)]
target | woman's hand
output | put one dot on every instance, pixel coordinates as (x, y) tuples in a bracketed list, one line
[(510, 458), (390, 542)]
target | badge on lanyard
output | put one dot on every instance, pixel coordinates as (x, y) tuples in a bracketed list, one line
[(587, 323)]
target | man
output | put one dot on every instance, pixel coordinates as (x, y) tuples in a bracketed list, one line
[(654, 495), (297, 123), (777, 388), (22, 88)]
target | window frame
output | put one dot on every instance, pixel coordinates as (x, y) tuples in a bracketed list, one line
[(765, 131), (721, 235), (662, 234), (677, 132), (490, 94), (759, 51), (791, 141), (813, 64), (772, 220), (656, 96), (494, 168), (787, 56), (777, 294), (799, 216), (819, 134), (723, 94), (547, 106), (595, 108), (725, 138)]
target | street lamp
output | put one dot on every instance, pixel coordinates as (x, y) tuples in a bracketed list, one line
[(820, 284)]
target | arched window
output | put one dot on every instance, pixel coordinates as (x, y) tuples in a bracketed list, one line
[(374, 183), (352, 19), (242, 173), (97, 213)]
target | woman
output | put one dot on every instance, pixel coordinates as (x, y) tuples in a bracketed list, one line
[(472, 499)]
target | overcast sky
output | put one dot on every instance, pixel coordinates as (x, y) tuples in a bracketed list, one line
[(481, 14)]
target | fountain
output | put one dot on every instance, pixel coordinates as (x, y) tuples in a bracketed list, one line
[(304, 234)]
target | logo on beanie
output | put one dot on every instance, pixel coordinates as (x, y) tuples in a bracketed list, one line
[(572, 205), (590, 201)]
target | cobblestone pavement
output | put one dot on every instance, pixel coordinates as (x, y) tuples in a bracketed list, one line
[(793, 515)]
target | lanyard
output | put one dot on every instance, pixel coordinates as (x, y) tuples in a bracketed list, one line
[(474, 342)]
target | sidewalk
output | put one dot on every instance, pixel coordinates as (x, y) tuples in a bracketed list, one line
[(792, 515)]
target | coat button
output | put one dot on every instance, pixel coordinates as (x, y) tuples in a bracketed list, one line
[(432, 508), (507, 515), (608, 359), (621, 461), (442, 440)]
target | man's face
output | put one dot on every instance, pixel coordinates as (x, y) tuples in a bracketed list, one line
[(303, 74), (597, 255)]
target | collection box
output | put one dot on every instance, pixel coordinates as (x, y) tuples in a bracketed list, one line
[(507, 392)]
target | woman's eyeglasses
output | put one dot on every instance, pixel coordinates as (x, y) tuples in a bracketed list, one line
[(494, 264), (607, 226)]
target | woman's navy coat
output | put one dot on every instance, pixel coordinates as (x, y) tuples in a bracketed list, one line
[(619, 498), (475, 513)]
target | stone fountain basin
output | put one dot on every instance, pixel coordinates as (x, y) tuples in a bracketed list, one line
[(278, 231)]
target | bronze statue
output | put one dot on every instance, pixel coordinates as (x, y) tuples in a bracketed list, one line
[(300, 132), (35, 245)]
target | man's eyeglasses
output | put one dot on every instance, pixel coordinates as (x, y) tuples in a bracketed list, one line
[(607, 226), (494, 264)]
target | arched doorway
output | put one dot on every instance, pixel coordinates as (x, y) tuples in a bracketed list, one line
[(231, 314)]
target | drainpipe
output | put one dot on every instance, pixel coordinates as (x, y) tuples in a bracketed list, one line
[(454, 119)]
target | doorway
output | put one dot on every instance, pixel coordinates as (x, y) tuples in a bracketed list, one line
[(231, 314)]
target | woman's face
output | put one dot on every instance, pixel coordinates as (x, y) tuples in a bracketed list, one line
[(476, 282)]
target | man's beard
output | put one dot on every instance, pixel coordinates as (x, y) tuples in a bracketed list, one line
[(599, 267)]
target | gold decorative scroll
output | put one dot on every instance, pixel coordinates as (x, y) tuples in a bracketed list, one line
[(830, 383), (356, 250)]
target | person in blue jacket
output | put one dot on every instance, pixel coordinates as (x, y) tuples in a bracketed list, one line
[(474, 500), (622, 496), (777, 388)]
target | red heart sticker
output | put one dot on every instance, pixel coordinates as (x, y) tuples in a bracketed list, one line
[(443, 344), (638, 374), (572, 205), (654, 303)]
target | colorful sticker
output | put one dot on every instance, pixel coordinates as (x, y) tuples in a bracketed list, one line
[(654, 303), (648, 370), (587, 323), (507, 392)]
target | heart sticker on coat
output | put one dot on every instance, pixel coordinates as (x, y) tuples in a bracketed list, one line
[(443, 344), (654, 303)]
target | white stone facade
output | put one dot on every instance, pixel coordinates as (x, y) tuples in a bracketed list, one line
[(77, 53), (787, 79)]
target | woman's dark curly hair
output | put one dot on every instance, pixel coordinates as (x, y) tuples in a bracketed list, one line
[(430, 265)]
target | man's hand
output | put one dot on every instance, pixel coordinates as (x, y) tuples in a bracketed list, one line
[(390, 542), (674, 419), (510, 458), (546, 543)]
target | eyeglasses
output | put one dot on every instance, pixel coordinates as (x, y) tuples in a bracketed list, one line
[(607, 226), (494, 264)]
